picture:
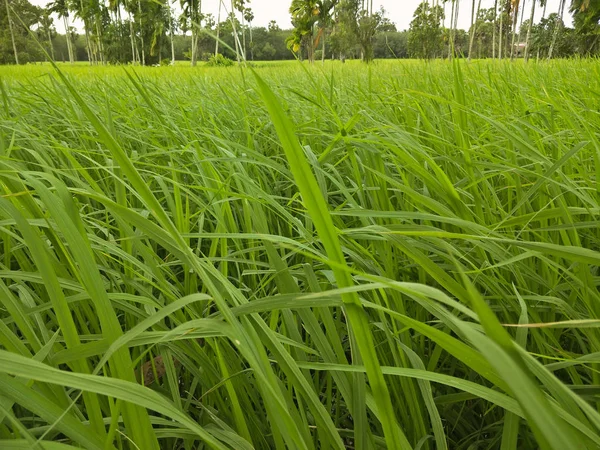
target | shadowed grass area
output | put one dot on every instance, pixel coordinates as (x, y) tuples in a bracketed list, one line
[(403, 255)]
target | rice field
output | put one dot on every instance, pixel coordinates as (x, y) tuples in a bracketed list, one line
[(403, 256)]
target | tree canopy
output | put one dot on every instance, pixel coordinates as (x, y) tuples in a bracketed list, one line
[(162, 31)]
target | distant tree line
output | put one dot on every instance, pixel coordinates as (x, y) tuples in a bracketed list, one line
[(507, 30), (154, 31)]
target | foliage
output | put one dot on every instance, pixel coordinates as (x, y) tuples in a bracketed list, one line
[(219, 60), (214, 261), (28, 16), (542, 34), (425, 33), (148, 31)]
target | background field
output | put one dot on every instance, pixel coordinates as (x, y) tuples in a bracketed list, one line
[(339, 256)]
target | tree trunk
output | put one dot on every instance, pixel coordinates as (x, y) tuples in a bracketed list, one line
[(323, 49), (87, 33), (456, 13), (12, 34), (218, 28), (132, 36), (194, 56), (494, 29), (472, 29), (100, 43), (451, 42), (244, 35), (68, 39), (501, 32), (528, 38), (473, 26), (252, 43), (172, 25), (514, 29), (557, 27), (50, 44), (236, 38), (141, 33)]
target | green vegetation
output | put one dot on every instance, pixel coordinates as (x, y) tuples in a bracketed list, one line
[(352, 256), (148, 32)]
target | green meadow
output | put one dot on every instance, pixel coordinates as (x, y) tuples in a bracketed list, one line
[(403, 255)]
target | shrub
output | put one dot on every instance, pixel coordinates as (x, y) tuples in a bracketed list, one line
[(219, 61)]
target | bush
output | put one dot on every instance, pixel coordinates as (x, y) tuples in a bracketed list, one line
[(219, 61), (165, 62)]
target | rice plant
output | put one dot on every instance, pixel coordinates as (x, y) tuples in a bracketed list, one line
[(402, 256)]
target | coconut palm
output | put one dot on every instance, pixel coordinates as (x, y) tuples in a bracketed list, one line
[(557, 27), (46, 25), (249, 17), (61, 9), (192, 11), (530, 25), (474, 14), (514, 7)]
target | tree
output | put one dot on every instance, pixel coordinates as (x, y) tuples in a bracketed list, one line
[(16, 44), (485, 34), (453, 26), (304, 17), (218, 29), (530, 25), (586, 16), (425, 32), (47, 29), (515, 5), (60, 8), (473, 26), (273, 27), (192, 12), (360, 20), (249, 17), (12, 32), (558, 27)]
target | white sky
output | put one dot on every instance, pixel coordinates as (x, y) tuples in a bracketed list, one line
[(398, 11)]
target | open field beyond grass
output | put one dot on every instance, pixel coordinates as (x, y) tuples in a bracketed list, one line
[(398, 256)]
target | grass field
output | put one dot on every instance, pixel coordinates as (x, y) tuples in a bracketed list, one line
[(398, 256)]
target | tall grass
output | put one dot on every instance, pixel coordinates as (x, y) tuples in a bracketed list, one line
[(397, 256)]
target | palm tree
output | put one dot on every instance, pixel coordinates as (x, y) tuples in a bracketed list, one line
[(46, 22), (325, 20), (129, 6), (114, 6), (12, 32), (494, 29), (557, 27), (172, 26), (249, 17), (308, 14), (141, 25), (453, 25), (192, 10), (303, 20), (61, 9), (515, 4), (236, 38), (530, 25), (218, 28), (473, 25), (82, 12), (239, 5)]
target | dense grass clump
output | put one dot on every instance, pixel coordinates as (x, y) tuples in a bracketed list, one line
[(397, 256)]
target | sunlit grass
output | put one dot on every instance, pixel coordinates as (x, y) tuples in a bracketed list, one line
[(300, 257)]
